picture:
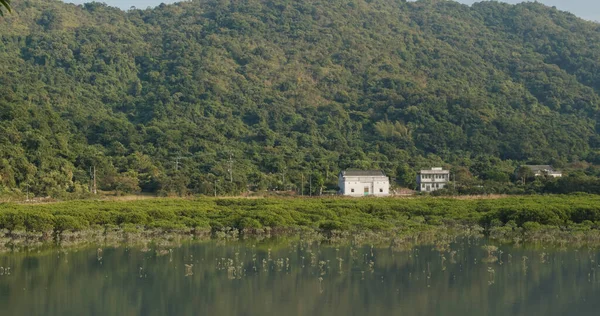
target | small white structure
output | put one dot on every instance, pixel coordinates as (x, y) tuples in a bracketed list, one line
[(432, 180), (364, 183), (544, 170)]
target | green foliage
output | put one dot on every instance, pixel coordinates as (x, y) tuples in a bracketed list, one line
[(249, 223), (389, 130), (158, 100), (406, 176), (500, 216), (67, 222)]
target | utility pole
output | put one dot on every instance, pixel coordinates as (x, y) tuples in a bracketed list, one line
[(270, 187), (302, 186), (310, 185), (27, 192), (177, 162), (283, 178), (93, 187), (215, 187), (454, 183), (230, 170)]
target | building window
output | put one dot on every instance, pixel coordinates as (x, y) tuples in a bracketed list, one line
[(380, 190), (352, 190)]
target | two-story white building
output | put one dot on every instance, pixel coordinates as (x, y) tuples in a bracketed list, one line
[(364, 183), (432, 180)]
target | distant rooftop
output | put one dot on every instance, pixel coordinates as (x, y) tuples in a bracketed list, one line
[(536, 168), (363, 173), (434, 170)]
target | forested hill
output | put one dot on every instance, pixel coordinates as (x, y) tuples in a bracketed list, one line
[(160, 99)]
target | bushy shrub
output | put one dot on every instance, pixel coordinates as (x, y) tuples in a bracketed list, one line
[(326, 214), (132, 217), (167, 215), (333, 225), (249, 223), (67, 222), (531, 226)]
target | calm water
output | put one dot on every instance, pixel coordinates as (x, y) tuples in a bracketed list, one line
[(286, 278)]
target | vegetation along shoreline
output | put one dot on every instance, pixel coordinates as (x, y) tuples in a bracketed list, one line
[(556, 219)]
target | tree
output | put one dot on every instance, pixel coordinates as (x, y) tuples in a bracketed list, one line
[(461, 175), (524, 174), (406, 176), (126, 91), (318, 182)]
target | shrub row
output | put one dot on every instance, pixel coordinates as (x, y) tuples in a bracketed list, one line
[(326, 214)]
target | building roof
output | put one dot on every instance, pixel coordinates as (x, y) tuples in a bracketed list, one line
[(434, 171), (363, 173), (538, 168)]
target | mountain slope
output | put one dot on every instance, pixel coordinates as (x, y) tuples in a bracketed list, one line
[(161, 99)]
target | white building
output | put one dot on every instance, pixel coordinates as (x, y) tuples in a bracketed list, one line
[(364, 183), (544, 170), (432, 180)]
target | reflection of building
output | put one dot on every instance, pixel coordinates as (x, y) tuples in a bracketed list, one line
[(432, 180), (363, 183), (544, 170)]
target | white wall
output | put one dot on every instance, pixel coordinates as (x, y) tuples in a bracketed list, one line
[(423, 186), (375, 184)]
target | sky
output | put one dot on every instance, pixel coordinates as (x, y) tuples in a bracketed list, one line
[(587, 9)]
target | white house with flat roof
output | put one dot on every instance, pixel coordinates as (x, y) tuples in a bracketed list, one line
[(544, 170), (364, 183), (432, 180)]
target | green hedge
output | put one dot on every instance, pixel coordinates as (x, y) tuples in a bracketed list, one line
[(326, 214)]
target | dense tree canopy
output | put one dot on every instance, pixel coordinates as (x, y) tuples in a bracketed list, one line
[(160, 100)]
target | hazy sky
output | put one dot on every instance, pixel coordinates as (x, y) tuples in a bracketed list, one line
[(587, 9)]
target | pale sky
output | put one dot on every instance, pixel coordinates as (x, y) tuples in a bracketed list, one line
[(587, 9)]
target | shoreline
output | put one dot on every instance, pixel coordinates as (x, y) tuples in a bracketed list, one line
[(436, 236), (550, 220)]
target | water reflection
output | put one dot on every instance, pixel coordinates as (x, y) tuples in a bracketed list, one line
[(469, 277)]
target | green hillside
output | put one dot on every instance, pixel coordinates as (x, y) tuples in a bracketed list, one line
[(159, 100)]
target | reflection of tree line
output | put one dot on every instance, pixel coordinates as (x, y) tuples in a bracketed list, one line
[(418, 281)]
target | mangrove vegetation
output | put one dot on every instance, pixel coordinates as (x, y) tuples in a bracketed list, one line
[(511, 219)]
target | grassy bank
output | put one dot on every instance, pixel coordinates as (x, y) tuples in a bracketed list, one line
[(573, 212)]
